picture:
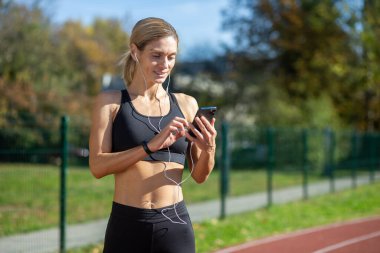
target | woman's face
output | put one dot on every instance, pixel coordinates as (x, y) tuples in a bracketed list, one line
[(158, 59)]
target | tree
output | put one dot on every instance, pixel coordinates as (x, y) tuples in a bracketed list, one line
[(27, 60), (370, 35), (305, 48), (49, 70), (92, 51), (25, 36)]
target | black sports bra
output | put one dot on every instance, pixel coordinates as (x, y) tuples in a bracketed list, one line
[(130, 129)]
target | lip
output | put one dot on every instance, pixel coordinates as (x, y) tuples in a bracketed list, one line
[(161, 74)]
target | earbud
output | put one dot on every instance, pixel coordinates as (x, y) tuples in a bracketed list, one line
[(136, 59)]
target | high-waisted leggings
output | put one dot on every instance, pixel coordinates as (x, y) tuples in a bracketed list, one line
[(136, 230)]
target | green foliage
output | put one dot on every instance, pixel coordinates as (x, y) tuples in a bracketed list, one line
[(320, 112), (91, 51), (25, 37), (48, 70), (310, 54), (369, 38), (278, 109)]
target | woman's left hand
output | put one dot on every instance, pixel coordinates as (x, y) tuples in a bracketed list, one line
[(205, 138)]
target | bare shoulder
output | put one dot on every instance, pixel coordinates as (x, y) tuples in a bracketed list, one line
[(188, 105), (107, 101), (108, 97)]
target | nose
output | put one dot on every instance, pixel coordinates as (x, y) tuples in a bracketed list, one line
[(165, 62)]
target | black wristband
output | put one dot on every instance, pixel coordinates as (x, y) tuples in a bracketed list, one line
[(144, 144)]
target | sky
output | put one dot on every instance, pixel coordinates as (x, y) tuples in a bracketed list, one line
[(198, 22)]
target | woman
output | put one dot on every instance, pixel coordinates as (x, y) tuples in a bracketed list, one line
[(140, 135)]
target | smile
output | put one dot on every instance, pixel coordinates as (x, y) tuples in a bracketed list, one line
[(161, 74)]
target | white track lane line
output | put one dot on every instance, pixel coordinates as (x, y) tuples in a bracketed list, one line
[(293, 234), (349, 242)]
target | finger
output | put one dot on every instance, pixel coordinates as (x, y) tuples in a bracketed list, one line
[(177, 132), (213, 122), (202, 126), (196, 132), (206, 123), (197, 139), (181, 120), (190, 137), (210, 126), (181, 126)]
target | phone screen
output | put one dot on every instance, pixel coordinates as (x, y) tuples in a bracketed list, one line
[(208, 112)]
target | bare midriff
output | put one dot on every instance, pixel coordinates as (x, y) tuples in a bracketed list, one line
[(148, 185)]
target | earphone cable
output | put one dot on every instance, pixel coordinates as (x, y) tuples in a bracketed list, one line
[(158, 130)]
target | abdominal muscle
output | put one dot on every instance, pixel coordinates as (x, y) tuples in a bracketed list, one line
[(144, 185)]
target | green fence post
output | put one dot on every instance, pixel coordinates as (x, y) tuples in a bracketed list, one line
[(62, 195), (329, 166), (225, 167), (332, 164), (305, 163), (270, 164), (372, 157), (354, 158)]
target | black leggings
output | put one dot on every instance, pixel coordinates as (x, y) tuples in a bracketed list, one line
[(137, 230)]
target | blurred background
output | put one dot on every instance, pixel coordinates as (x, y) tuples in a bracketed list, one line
[(297, 84), (277, 63)]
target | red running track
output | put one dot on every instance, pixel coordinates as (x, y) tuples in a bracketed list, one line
[(357, 236)]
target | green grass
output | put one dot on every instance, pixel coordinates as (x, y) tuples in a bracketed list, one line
[(29, 193), (216, 234), (29, 197), (290, 217)]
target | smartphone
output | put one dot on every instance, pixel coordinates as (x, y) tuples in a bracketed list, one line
[(208, 112)]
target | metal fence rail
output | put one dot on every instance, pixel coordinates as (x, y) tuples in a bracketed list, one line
[(34, 180), (306, 152)]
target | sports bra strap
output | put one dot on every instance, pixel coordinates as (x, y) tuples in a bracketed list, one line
[(173, 98), (125, 96)]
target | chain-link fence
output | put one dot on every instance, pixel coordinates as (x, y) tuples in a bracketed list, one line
[(45, 182)]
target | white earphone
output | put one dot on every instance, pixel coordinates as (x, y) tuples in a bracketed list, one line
[(135, 57)]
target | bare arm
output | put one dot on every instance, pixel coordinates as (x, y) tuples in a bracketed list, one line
[(102, 161)]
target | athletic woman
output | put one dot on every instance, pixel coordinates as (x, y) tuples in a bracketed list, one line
[(140, 136)]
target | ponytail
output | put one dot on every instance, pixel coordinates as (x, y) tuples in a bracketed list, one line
[(128, 65)]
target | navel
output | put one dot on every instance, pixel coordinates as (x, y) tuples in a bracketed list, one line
[(148, 204)]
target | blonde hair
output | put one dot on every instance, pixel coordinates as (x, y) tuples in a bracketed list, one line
[(145, 31)]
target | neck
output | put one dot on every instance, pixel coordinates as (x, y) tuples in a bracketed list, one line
[(150, 91)]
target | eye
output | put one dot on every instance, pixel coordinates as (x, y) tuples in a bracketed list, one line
[(156, 56)]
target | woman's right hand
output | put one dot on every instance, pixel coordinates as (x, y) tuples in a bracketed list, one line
[(169, 135)]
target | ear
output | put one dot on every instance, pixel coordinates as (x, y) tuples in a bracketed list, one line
[(134, 51)]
